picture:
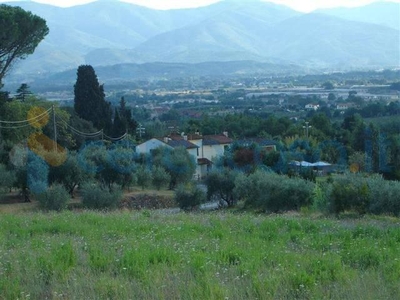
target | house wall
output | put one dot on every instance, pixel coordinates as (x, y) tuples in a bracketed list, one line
[(193, 153), (213, 151), (198, 143)]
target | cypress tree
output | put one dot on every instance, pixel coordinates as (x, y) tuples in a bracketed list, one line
[(126, 117), (89, 101), (119, 127)]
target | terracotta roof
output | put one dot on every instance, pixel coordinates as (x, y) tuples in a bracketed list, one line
[(216, 140), (192, 137)]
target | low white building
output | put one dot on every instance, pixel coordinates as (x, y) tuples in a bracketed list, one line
[(204, 149), (312, 106)]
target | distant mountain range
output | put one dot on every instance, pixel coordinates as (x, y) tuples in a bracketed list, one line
[(106, 33)]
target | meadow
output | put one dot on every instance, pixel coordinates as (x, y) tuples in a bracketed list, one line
[(214, 255)]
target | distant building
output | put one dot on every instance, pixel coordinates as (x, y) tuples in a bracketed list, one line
[(312, 106), (343, 106)]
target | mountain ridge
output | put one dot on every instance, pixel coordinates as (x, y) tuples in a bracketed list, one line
[(108, 33)]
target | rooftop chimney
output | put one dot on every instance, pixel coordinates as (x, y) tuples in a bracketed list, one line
[(225, 133)]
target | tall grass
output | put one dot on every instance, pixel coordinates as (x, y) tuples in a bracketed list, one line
[(92, 255)]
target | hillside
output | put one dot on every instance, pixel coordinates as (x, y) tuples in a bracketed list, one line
[(106, 33), (131, 72)]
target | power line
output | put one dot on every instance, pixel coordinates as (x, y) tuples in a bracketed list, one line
[(28, 120), (116, 139), (78, 132), (16, 126)]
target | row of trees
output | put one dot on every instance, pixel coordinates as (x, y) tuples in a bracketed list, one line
[(106, 171), (273, 193)]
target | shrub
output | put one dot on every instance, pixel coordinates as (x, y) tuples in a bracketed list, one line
[(160, 177), (94, 197), (320, 197), (384, 196), (54, 198), (349, 192), (274, 193), (189, 196)]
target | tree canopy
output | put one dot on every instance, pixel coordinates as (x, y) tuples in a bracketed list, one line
[(21, 32)]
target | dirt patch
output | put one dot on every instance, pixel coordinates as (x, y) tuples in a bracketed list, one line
[(12, 198), (147, 201)]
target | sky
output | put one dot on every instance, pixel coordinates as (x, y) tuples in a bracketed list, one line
[(300, 5)]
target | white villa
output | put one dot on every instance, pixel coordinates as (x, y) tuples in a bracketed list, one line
[(203, 148)]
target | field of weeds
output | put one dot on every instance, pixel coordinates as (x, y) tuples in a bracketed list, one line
[(220, 255)]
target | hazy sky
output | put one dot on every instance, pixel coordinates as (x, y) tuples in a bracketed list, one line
[(301, 5)]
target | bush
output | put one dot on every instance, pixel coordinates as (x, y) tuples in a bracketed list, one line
[(349, 192), (189, 196), (54, 198), (320, 197), (94, 197), (384, 196), (274, 193)]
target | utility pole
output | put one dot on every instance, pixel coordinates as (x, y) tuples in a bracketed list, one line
[(55, 129), (141, 130), (307, 127)]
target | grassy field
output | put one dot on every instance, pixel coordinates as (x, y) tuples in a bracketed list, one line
[(219, 255)]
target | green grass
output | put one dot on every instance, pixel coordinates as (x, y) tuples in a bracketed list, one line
[(222, 255)]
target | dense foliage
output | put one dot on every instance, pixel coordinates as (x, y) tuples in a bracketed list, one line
[(189, 196), (89, 101), (54, 198), (21, 32)]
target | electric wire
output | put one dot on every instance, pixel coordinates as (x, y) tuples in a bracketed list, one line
[(116, 139), (20, 124), (78, 132), (16, 126), (27, 120)]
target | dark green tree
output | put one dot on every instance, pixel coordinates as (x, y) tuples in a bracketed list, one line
[(20, 33), (221, 184), (23, 92), (119, 127), (126, 117), (70, 174), (89, 101), (328, 85)]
